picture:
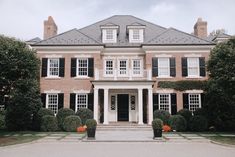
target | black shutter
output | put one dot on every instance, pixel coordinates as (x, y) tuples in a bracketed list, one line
[(72, 101), (185, 101), (155, 67), (61, 71), (202, 99), (172, 67), (90, 101), (73, 67), (44, 67), (90, 67), (60, 100), (43, 99), (155, 102), (202, 66), (173, 104), (184, 66)]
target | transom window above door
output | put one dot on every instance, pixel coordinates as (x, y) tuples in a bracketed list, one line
[(53, 67), (82, 69)]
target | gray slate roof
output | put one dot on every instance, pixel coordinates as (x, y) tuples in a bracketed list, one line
[(220, 35), (153, 35)]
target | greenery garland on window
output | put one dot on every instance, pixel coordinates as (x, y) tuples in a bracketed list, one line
[(183, 85)]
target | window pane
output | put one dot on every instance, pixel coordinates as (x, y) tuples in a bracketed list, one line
[(194, 102), (193, 67), (164, 102), (136, 67), (109, 34), (53, 67), (122, 67), (81, 101), (136, 34), (82, 67), (109, 67), (52, 102), (163, 67)]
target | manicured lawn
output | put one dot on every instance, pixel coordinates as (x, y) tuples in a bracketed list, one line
[(225, 140)]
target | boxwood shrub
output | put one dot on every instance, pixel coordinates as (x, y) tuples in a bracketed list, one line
[(71, 123), (49, 123), (38, 117), (178, 123), (186, 114), (62, 114), (2, 121), (163, 115), (91, 124), (84, 114), (200, 112), (198, 123)]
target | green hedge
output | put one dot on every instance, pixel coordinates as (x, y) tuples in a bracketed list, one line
[(71, 123), (49, 123), (183, 85), (163, 115), (38, 117), (178, 123), (2, 121), (62, 114), (84, 114), (198, 123)]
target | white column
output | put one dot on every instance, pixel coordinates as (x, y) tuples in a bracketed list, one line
[(106, 109), (150, 107), (96, 103), (140, 107)]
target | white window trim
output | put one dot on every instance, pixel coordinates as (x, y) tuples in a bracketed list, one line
[(199, 97), (81, 76), (164, 76), (169, 95), (47, 96), (198, 71), (104, 71), (48, 68), (127, 68), (76, 101), (104, 36), (141, 67), (141, 35)]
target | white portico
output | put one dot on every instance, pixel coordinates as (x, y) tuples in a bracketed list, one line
[(123, 101)]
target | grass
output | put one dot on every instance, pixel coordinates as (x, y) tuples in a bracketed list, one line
[(224, 140), (5, 141)]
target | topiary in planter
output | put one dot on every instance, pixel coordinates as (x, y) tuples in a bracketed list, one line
[(198, 123), (38, 117), (157, 125), (71, 123), (62, 114), (91, 128), (49, 123), (84, 114), (186, 114), (163, 115), (178, 123)]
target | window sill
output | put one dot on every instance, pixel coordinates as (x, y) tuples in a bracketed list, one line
[(53, 78), (164, 77), (193, 77), (81, 77)]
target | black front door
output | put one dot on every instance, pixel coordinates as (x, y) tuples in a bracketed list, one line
[(123, 107)]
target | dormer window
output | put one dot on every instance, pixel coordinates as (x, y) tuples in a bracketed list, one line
[(136, 33), (109, 33)]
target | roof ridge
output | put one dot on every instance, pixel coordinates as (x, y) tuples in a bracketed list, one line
[(88, 36)]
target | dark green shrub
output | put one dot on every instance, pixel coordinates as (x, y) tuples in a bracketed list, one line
[(178, 123), (198, 123), (91, 124), (49, 123), (200, 112), (84, 114), (2, 121), (163, 115), (186, 114), (38, 117), (62, 114), (157, 124), (71, 123)]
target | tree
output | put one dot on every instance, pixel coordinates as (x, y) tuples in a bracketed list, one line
[(19, 81), (220, 93)]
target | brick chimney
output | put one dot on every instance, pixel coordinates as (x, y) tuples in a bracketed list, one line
[(50, 28), (200, 28)]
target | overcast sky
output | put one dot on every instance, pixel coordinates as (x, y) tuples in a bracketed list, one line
[(23, 19)]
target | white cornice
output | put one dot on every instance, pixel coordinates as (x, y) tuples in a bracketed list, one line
[(52, 91), (62, 48), (194, 91), (77, 52)]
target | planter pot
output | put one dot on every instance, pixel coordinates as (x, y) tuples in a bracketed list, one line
[(91, 133), (157, 133)]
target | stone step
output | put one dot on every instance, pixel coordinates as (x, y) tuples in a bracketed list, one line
[(123, 127)]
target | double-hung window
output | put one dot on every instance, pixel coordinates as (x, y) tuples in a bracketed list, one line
[(109, 67), (53, 67), (123, 65), (164, 102), (82, 69), (163, 67), (81, 101), (109, 34), (193, 67), (136, 34), (136, 67), (194, 102), (52, 102)]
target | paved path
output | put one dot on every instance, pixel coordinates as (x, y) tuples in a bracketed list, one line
[(103, 149)]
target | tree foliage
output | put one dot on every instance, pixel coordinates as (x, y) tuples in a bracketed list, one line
[(19, 71), (220, 94)]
